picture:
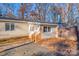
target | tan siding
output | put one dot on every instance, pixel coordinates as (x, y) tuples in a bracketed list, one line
[(21, 29), (2, 26), (48, 34)]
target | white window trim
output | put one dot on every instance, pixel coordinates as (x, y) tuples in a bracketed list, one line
[(9, 26), (47, 29)]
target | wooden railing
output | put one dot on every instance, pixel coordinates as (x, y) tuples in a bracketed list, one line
[(36, 37)]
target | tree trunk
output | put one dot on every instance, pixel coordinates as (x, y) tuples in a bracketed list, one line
[(77, 34)]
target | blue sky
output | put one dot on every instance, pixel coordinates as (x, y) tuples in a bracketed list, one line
[(16, 6)]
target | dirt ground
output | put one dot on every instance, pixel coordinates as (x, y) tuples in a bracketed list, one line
[(45, 47), (31, 49)]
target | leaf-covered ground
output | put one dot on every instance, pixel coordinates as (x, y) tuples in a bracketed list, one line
[(60, 46)]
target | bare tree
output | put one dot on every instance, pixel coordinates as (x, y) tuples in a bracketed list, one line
[(25, 9), (22, 10), (77, 14), (55, 12), (70, 14), (0, 11), (41, 10), (9, 10)]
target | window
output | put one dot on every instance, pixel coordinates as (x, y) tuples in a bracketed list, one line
[(12, 26), (47, 29), (9, 26)]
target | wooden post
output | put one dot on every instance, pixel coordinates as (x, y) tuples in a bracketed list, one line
[(36, 36), (57, 32)]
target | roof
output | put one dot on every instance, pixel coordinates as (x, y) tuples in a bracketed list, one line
[(24, 20), (7, 18)]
